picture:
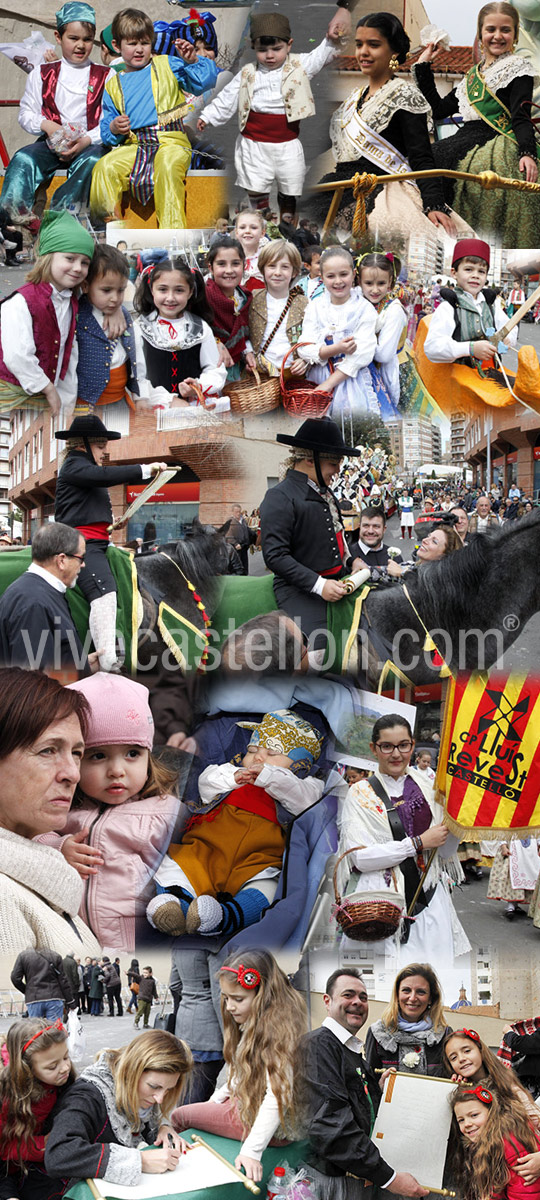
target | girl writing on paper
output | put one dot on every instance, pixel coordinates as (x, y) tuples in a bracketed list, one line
[(495, 1140), (123, 1099), (263, 1020), (82, 500), (123, 814), (38, 1073), (497, 134)]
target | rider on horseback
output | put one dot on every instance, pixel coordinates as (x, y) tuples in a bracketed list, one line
[(83, 501), (302, 533)]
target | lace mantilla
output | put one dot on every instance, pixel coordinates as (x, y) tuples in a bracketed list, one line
[(496, 76), (180, 334), (377, 112)]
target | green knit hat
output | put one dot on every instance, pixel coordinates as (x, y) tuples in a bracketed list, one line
[(62, 233)]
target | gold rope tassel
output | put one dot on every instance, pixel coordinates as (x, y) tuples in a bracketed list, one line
[(363, 184)]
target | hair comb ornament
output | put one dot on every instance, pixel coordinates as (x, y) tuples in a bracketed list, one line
[(247, 977)]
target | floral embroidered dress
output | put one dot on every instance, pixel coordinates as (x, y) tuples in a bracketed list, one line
[(386, 133), (497, 131)]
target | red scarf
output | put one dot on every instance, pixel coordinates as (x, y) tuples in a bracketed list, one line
[(229, 326)]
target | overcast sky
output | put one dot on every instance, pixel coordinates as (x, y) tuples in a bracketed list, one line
[(458, 19)]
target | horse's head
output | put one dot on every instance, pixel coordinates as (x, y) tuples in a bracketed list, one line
[(204, 549)]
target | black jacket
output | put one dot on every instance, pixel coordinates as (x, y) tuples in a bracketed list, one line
[(373, 558), (529, 1045), (40, 975), (332, 1093), (78, 1145), (82, 496), (36, 627), (380, 1057), (298, 538)]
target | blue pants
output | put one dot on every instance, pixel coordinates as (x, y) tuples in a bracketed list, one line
[(36, 164), (50, 1009)]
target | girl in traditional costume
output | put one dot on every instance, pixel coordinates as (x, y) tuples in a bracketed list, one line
[(394, 817), (176, 348), (229, 303), (224, 873), (276, 312), (339, 329), (383, 129), (264, 1018), (497, 134), (38, 358), (376, 278), (250, 229)]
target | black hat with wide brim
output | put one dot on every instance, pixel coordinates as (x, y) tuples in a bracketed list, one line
[(319, 434), (88, 428)]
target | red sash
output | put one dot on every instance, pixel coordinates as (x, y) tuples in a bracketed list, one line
[(249, 798), (270, 127), (95, 533), (341, 546)]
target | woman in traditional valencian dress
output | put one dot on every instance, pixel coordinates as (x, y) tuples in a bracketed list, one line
[(382, 129), (494, 102)]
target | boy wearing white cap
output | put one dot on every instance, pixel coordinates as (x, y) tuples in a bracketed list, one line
[(271, 98), (60, 94)]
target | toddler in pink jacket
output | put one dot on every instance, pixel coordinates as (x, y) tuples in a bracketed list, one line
[(123, 815)]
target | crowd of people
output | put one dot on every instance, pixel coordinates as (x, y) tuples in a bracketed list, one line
[(125, 1114)]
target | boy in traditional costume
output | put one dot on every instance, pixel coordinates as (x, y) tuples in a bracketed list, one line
[(224, 873), (62, 104), (271, 98), (469, 313), (142, 119)]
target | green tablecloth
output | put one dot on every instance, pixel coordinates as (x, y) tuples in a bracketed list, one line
[(228, 1149)]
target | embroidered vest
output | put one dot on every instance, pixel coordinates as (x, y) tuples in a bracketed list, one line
[(168, 368), (94, 96), (169, 98), (95, 354), (45, 331), (487, 104), (295, 91), (469, 324)]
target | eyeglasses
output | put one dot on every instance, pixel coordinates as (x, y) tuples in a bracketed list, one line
[(79, 556), (388, 747)]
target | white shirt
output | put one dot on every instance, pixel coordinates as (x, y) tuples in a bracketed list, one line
[(280, 344), (295, 794), (441, 345), (71, 97), (212, 377), (264, 1125), (19, 347), (35, 569), (267, 96), (355, 318)]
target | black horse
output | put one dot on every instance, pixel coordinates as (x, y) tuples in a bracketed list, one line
[(177, 573), (474, 603)]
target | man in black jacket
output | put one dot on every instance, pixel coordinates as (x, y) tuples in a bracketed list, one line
[(82, 500), (40, 976), (302, 533), (368, 544), (340, 1097), (37, 630)]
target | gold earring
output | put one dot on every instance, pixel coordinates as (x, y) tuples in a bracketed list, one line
[(394, 63)]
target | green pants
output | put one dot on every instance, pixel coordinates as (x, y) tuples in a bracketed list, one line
[(143, 1010)]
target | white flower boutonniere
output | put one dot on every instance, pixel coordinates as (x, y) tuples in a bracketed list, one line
[(411, 1059)]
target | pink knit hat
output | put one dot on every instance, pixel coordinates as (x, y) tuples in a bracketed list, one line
[(119, 711)]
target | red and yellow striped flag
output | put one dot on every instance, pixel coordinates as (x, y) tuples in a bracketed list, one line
[(488, 775)]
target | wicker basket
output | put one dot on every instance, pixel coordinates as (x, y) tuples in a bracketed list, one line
[(302, 399), (367, 917), (253, 395)]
